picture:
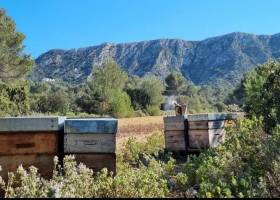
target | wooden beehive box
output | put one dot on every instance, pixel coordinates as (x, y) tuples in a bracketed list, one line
[(92, 141), (193, 133), (29, 141), (175, 132), (207, 130)]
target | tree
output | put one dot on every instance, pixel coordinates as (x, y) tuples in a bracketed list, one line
[(38, 87), (14, 99), (53, 102), (154, 89), (109, 76), (260, 91), (120, 104), (253, 87), (270, 104), (107, 83), (14, 64), (175, 83), (90, 102), (133, 83), (139, 98)]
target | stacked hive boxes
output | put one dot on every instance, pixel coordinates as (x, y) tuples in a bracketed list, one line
[(206, 130), (29, 141), (193, 133), (175, 131), (92, 141)]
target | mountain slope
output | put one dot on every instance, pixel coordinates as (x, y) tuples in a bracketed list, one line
[(224, 58)]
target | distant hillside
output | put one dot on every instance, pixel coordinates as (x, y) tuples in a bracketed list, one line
[(225, 58)]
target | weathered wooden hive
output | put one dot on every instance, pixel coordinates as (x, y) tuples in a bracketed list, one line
[(207, 130), (29, 141), (193, 133), (92, 142), (175, 132)]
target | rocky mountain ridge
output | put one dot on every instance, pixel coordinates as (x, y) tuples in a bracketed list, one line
[(224, 58)]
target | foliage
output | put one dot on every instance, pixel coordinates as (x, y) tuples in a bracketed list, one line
[(217, 92), (14, 99), (120, 104), (106, 88), (240, 167), (139, 98), (259, 94), (175, 84), (14, 64), (134, 150), (39, 88), (108, 77), (234, 169), (185, 92), (52, 102), (146, 94), (154, 88), (90, 102), (270, 96)]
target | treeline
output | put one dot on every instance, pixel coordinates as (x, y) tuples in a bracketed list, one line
[(109, 91)]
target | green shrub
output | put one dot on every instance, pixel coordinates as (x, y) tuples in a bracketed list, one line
[(240, 167), (259, 94), (14, 100), (153, 110), (77, 181), (134, 150), (120, 105)]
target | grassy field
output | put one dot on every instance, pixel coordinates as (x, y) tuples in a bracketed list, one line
[(139, 127)]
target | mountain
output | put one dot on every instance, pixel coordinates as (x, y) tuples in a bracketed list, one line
[(225, 58)]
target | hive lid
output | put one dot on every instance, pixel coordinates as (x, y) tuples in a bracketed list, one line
[(171, 119), (213, 116), (31, 124), (91, 126)]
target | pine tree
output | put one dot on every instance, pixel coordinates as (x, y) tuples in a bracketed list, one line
[(14, 64)]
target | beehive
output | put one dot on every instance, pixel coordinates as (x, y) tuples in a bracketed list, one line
[(29, 141), (193, 133), (175, 132), (208, 130), (92, 141)]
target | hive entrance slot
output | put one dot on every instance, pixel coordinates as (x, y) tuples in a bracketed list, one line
[(25, 145)]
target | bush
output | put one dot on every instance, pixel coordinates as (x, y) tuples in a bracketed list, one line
[(120, 105), (135, 150), (54, 102), (259, 92), (14, 100), (240, 167), (153, 110)]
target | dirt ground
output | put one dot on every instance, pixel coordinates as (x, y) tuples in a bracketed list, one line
[(138, 127)]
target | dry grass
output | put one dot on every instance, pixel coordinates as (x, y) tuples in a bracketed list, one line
[(139, 127)]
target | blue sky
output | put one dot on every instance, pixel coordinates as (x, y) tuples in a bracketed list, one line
[(70, 24)]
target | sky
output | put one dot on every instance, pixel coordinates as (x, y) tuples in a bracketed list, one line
[(67, 24)]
